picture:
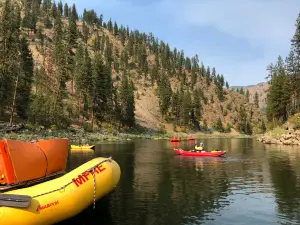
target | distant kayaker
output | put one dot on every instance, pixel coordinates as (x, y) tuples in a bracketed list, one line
[(200, 147)]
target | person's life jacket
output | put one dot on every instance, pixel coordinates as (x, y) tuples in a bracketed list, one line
[(198, 148)]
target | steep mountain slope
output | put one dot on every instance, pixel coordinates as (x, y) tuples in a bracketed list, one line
[(77, 59), (261, 89)]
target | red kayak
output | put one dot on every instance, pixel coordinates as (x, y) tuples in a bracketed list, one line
[(191, 139), (202, 153)]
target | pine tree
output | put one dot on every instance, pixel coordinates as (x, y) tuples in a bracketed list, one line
[(73, 27), (276, 110), (131, 106), (108, 51), (219, 126), (188, 65), (296, 38), (116, 30), (263, 126), (213, 74), (66, 10), (54, 10), (193, 78), (25, 81), (256, 100), (9, 54), (184, 78), (110, 26), (207, 75), (247, 95), (175, 106), (46, 5), (86, 31), (100, 21), (187, 108), (222, 83), (165, 93), (126, 97), (197, 109), (292, 70), (102, 91), (31, 10), (74, 12), (60, 7), (227, 85), (243, 123), (205, 126), (202, 70)]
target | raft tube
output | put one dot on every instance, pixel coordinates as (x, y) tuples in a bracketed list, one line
[(66, 196), (202, 153)]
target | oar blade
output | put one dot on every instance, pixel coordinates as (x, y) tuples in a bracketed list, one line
[(16, 201)]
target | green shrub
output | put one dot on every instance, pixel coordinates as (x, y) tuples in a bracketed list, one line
[(277, 132), (174, 127), (162, 128), (53, 128), (30, 126), (87, 127), (229, 106), (295, 119)]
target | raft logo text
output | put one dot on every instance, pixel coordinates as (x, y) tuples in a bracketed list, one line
[(84, 177), (41, 207)]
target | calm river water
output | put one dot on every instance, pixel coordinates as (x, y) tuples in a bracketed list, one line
[(253, 184)]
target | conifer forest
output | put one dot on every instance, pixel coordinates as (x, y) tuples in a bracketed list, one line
[(59, 68)]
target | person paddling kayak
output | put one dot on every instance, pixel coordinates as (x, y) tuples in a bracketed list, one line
[(200, 147)]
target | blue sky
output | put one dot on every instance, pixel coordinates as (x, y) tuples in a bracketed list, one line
[(237, 37)]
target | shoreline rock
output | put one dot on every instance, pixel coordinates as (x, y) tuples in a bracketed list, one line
[(291, 137)]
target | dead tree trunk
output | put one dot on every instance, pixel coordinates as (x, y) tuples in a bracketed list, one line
[(14, 101)]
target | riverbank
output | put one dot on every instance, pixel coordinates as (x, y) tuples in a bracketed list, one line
[(93, 137), (281, 136)]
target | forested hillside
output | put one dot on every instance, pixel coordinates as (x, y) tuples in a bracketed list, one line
[(257, 93), (283, 98), (66, 70)]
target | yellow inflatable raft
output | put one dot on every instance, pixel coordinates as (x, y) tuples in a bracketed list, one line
[(62, 198), (83, 147)]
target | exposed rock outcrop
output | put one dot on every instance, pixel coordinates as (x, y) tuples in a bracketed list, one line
[(292, 137)]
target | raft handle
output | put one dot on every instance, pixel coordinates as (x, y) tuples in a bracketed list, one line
[(16, 201)]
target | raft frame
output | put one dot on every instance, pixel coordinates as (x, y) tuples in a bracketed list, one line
[(4, 188)]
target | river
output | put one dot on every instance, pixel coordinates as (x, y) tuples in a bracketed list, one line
[(253, 184)]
